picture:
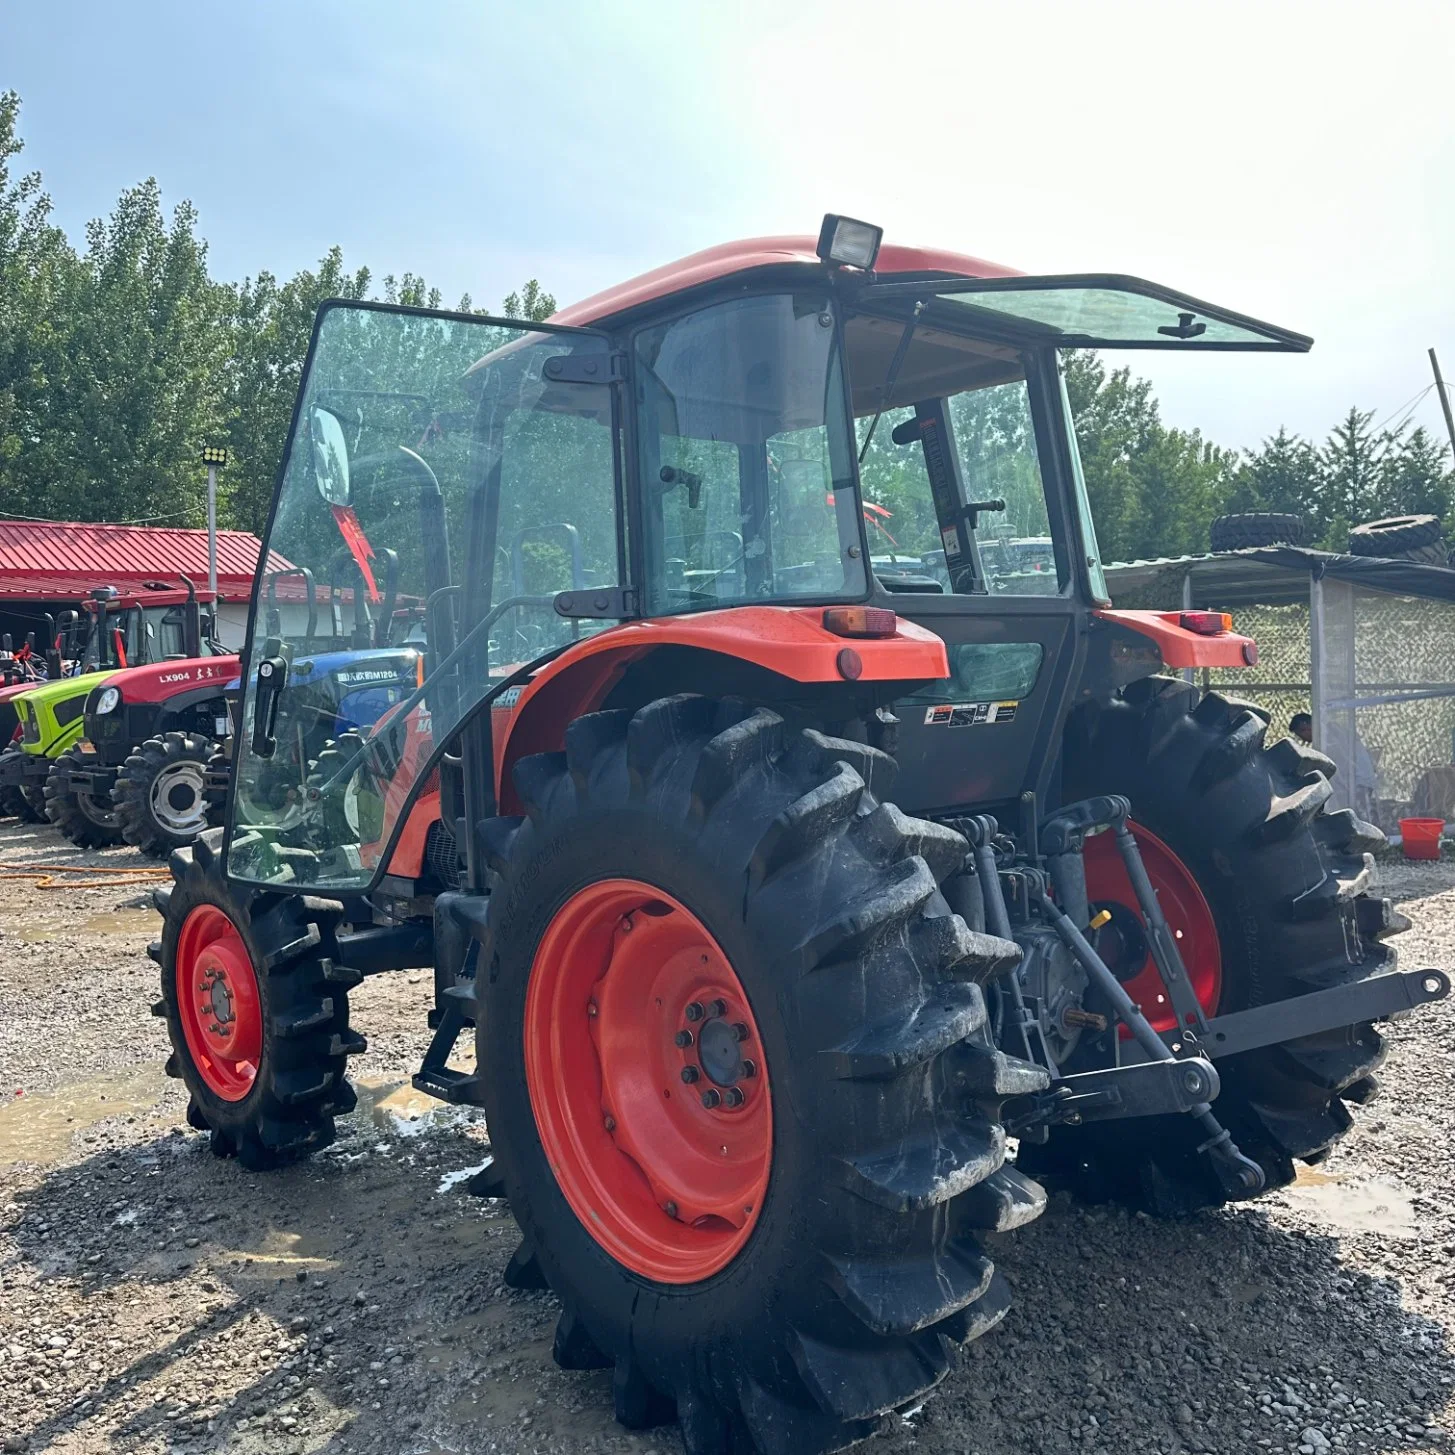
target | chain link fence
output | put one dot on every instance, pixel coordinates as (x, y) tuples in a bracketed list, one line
[(1374, 668), (1383, 703)]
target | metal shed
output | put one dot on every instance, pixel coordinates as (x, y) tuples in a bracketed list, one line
[(1364, 644)]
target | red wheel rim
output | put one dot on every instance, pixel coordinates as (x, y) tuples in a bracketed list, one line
[(1188, 916), (647, 1079), (218, 1002)]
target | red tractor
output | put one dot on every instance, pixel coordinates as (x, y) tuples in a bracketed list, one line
[(137, 768), (778, 893)]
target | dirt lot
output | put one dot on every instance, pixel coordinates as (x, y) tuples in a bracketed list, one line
[(155, 1299)]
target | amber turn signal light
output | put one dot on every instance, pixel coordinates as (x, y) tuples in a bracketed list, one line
[(860, 621), (1205, 623)]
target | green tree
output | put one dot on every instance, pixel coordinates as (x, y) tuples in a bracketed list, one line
[(1353, 460), (1414, 478), (531, 302), (39, 275), (148, 343), (1285, 474), (1154, 489)]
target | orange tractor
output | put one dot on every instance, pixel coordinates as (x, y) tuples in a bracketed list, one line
[(778, 882)]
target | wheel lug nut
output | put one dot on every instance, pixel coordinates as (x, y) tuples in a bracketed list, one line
[(749, 1068), (670, 1209), (690, 1074), (610, 1124), (711, 1098), (716, 1008), (683, 1038), (591, 1010), (694, 1012), (732, 1096), (740, 1031)]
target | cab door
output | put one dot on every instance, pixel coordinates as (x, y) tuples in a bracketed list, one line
[(983, 483)]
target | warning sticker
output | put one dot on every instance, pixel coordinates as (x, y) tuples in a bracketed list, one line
[(951, 537), (969, 714)]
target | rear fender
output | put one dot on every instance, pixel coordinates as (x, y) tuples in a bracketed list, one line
[(790, 644), (1176, 646)]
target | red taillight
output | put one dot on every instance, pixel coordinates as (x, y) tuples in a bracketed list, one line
[(1205, 623), (860, 621)]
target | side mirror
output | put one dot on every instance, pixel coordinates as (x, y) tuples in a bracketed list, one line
[(330, 456)]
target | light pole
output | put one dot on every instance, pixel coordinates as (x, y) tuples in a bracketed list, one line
[(214, 457)]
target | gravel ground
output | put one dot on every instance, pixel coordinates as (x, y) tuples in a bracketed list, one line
[(154, 1299)]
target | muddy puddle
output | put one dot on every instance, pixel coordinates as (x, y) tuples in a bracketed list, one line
[(1353, 1205), (115, 922), (39, 1127), (393, 1105)]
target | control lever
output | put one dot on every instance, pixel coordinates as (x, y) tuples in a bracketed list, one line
[(272, 674)]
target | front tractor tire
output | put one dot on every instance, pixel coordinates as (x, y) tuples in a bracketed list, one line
[(160, 795), (87, 819), (1279, 906), (743, 1097), (17, 801), (256, 1009)]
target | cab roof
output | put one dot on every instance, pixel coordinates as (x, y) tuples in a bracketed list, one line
[(895, 260)]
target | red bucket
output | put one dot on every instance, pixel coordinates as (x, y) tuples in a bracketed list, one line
[(1421, 837)]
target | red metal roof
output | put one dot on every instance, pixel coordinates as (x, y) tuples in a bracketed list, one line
[(763, 252), (66, 559)]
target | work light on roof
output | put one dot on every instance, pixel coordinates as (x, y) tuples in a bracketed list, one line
[(848, 243)]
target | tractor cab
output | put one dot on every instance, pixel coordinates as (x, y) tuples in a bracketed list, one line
[(772, 429), (158, 623)]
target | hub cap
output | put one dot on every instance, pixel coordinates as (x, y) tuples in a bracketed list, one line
[(647, 1079), (1122, 943), (176, 799), (218, 1003)]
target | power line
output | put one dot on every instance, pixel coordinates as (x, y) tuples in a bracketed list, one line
[(144, 520), (1406, 409)]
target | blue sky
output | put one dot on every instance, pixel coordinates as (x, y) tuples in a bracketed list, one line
[(1295, 161)]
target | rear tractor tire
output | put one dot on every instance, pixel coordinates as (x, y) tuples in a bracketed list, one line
[(20, 801), (256, 1008), (353, 812), (1271, 891), (743, 1096), (87, 819), (160, 793)]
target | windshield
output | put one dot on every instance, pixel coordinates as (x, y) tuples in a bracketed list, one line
[(746, 457), (112, 639), (445, 480)]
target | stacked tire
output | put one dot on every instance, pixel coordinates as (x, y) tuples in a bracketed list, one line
[(1257, 528), (1418, 538)]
